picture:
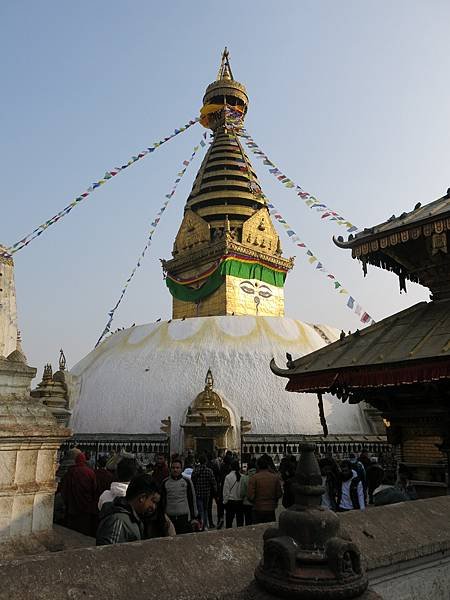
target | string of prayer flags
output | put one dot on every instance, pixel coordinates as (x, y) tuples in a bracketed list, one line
[(106, 177), (351, 303), (153, 226), (312, 259), (310, 200)]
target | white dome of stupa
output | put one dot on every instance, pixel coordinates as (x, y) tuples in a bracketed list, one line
[(141, 375)]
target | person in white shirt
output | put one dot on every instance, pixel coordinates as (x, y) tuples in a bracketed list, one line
[(232, 499), (126, 470), (351, 491), (188, 467)]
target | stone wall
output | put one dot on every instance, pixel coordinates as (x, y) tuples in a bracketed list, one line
[(406, 547)]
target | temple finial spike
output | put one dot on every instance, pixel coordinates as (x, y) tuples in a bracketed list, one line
[(62, 360), (209, 381), (225, 67)]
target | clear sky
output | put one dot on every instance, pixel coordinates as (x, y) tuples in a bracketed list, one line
[(349, 99)]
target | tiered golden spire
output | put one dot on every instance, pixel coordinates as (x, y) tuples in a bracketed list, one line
[(226, 185), (225, 214)]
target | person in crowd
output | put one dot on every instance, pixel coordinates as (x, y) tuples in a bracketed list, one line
[(160, 470), (272, 466), (360, 470), (288, 466), (386, 492), (264, 491), (103, 476), (247, 506), (214, 465), (374, 476), (126, 469), (122, 520), (158, 524), (330, 481), (188, 466), (205, 488), (404, 482), (79, 492), (219, 458), (364, 459), (232, 500), (179, 495), (90, 459), (225, 468), (350, 490)]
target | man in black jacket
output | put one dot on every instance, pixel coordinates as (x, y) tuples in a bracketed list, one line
[(120, 520)]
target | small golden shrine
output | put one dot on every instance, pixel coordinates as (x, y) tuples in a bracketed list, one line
[(208, 423)]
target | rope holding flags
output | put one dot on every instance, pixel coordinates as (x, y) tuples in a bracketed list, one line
[(153, 226), (107, 176), (310, 200), (351, 303)]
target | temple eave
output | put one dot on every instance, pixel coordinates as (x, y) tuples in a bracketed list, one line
[(365, 377)]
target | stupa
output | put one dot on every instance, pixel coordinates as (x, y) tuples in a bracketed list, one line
[(226, 277)]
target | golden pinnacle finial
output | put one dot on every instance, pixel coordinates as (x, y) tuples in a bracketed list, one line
[(62, 360), (225, 68), (209, 380)]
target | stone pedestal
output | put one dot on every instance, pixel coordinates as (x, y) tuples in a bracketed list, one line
[(29, 440), (306, 557)]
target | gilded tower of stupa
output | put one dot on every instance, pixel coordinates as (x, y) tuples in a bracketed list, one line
[(227, 257)]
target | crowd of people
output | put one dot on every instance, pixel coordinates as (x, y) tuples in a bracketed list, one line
[(359, 481), (120, 501)]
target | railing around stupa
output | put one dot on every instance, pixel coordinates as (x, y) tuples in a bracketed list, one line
[(339, 446), (142, 446), (145, 446)]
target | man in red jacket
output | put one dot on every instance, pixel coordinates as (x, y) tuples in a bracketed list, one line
[(79, 491)]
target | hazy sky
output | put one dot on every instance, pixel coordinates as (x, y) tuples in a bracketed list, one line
[(349, 99)]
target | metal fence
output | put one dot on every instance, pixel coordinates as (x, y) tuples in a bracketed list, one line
[(339, 446)]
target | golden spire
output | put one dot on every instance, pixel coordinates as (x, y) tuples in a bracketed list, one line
[(209, 381), (225, 67), (225, 215)]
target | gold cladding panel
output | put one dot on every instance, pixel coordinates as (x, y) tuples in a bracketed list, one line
[(213, 305), (236, 296), (259, 233), (193, 231)]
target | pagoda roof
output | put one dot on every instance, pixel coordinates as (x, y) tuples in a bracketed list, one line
[(437, 210), (409, 347)]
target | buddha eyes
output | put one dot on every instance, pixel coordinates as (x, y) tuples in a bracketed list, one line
[(265, 292), (250, 288), (247, 287)]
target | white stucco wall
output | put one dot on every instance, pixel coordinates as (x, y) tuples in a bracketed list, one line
[(143, 374)]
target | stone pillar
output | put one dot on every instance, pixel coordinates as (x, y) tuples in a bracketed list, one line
[(8, 310), (29, 440)]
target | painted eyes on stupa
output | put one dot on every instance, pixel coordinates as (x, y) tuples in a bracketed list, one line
[(252, 288)]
